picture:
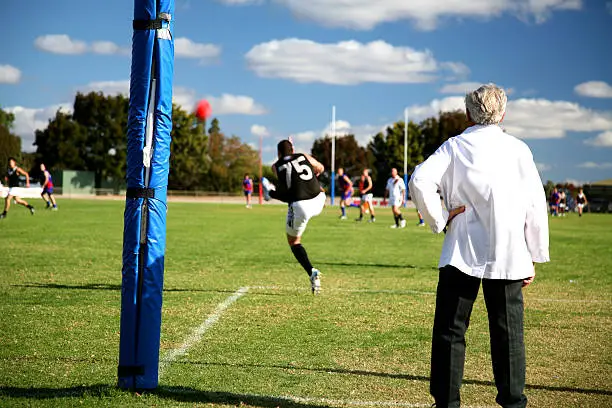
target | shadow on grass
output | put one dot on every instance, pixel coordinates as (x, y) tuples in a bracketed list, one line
[(178, 394), (375, 265), (107, 286), (397, 376)]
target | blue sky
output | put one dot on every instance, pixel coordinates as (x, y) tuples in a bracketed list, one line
[(276, 67)]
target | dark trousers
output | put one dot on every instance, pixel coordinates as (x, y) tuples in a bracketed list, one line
[(454, 300)]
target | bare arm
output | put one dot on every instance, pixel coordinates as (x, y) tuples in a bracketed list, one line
[(46, 180), (318, 167), (369, 187), (274, 171), (348, 181), (24, 173)]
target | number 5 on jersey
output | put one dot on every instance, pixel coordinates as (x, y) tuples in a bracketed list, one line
[(303, 170)]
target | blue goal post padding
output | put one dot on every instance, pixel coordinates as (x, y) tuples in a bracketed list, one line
[(148, 155)]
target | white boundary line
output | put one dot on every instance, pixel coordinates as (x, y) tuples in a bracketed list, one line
[(197, 334), (419, 292)]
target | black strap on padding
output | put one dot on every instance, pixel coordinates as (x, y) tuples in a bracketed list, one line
[(136, 192), (127, 371), (151, 24)]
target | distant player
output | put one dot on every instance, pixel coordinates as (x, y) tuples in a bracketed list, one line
[(554, 202), (365, 192), (247, 186), (421, 220), (299, 187), (562, 203), (47, 188), (581, 201), (396, 190), (346, 186), (12, 179)]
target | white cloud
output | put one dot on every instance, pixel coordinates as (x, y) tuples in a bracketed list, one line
[(366, 14), (228, 104), (541, 119), (532, 118), (28, 120), (185, 48), (346, 63), (108, 87), (108, 48), (594, 89), (460, 88), (416, 113), (63, 44), (9, 74), (602, 140), (543, 167), (240, 2), (363, 134), (60, 44), (259, 130), (593, 165)]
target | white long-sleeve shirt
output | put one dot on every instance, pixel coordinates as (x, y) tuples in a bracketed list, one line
[(505, 224)]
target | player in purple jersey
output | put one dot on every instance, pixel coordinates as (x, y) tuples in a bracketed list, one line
[(47, 188)]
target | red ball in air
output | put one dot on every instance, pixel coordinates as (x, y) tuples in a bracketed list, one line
[(203, 110)]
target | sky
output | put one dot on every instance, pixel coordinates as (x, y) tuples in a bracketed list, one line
[(275, 68)]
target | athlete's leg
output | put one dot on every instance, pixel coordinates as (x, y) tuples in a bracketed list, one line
[(52, 198), (20, 201), (7, 203)]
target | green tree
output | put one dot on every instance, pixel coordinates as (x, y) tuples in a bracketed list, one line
[(435, 131), (387, 150), (10, 144), (104, 122), (189, 160), (63, 144), (349, 155)]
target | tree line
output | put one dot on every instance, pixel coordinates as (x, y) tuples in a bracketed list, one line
[(93, 138)]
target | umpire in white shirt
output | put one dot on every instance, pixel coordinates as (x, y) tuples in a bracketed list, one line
[(499, 230)]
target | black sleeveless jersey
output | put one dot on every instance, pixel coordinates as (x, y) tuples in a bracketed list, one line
[(296, 179), (580, 199), (13, 177)]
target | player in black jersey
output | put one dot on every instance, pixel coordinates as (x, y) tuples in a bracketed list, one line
[(12, 177), (299, 187), (581, 201)]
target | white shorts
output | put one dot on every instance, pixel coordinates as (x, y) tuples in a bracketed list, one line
[(395, 201), (300, 212), (580, 205), (14, 191), (367, 198)]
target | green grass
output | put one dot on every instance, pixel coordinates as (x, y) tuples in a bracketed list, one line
[(366, 338)]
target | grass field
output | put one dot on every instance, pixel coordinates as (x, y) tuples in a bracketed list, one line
[(364, 341)]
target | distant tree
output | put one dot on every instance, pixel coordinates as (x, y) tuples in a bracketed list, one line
[(7, 119), (104, 122), (189, 160), (229, 160), (435, 131), (62, 144), (349, 155), (387, 149), (10, 144)]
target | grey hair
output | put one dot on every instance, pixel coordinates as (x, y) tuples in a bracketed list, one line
[(486, 105)]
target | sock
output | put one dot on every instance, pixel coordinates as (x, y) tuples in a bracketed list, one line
[(361, 215), (401, 217), (300, 254), (343, 211), (372, 216), (29, 206), (396, 219)]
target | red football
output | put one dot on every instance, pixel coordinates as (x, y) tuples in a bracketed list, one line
[(203, 110)]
